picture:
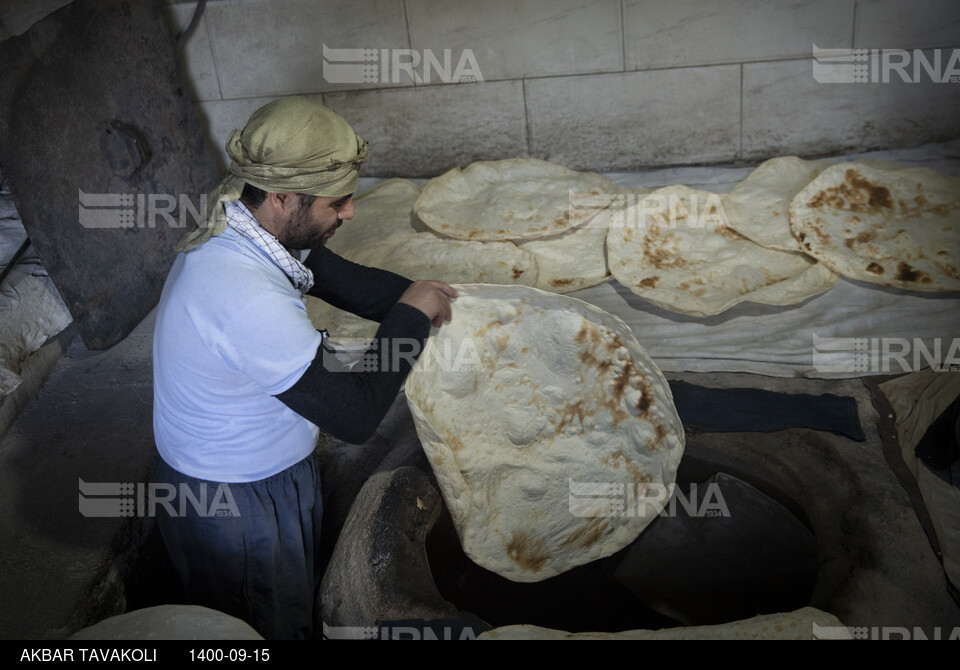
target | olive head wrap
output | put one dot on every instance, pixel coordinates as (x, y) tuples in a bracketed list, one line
[(291, 145)]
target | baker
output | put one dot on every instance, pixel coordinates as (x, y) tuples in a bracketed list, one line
[(243, 382)]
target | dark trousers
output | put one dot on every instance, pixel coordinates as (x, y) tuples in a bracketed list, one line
[(250, 548)]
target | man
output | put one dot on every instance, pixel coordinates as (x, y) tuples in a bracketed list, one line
[(241, 389)]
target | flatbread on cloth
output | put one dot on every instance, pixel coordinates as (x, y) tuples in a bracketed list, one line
[(513, 199), (429, 256), (883, 224), (570, 261), (544, 421), (759, 207), (577, 258), (385, 233), (383, 212), (676, 250), (340, 324)]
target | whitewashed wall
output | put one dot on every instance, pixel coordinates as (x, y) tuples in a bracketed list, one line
[(593, 84)]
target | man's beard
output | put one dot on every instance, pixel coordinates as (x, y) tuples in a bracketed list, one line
[(299, 234)]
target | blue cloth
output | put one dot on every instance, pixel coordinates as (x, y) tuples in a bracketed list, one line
[(255, 558)]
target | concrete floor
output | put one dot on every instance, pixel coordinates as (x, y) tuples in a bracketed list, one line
[(92, 421)]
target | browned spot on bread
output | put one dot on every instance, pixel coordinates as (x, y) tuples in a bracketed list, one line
[(862, 238), (656, 253), (649, 282), (517, 272), (909, 274), (615, 343), (950, 270), (481, 332), (569, 412), (942, 209), (456, 444), (661, 433), (875, 268), (728, 232), (588, 358), (645, 399), (586, 535), (588, 331), (561, 282), (855, 194), (621, 383), (528, 554)]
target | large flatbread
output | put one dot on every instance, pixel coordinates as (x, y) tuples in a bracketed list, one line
[(429, 256), (513, 199), (538, 413), (883, 224), (759, 207), (570, 261), (677, 251), (383, 212), (577, 258), (339, 324)]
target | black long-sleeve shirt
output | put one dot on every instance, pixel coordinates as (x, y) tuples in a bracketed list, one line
[(350, 404)]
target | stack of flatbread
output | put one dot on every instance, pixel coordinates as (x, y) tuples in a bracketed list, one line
[(784, 235), (882, 223), (555, 214), (385, 233), (787, 233), (677, 250), (512, 222)]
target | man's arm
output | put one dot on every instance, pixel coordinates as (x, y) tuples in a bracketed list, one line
[(364, 291), (351, 404)]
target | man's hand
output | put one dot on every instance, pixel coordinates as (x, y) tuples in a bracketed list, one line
[(432, 298)]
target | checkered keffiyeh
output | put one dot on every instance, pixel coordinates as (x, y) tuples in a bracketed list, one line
[(240, 219)]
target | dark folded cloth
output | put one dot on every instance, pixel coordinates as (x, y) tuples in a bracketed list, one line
[(745, 410)]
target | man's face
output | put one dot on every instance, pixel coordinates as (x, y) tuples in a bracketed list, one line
[(312, 225)]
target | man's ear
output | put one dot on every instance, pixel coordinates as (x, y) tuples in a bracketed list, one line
[(282, 203)]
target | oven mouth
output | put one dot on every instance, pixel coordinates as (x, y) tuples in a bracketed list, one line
[(721, 550)]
